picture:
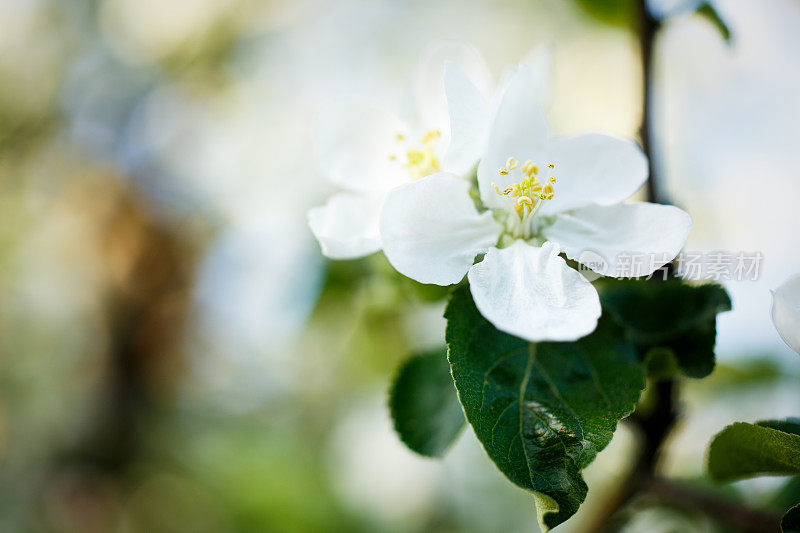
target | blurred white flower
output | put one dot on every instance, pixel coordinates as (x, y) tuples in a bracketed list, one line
[(431, 230), (367, 151), (786, 312)]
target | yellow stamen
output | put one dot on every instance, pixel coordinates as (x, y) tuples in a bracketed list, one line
[(421, 160), (431, 136), (528, 193)]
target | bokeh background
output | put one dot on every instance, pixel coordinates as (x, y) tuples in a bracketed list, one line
[(176, 354)]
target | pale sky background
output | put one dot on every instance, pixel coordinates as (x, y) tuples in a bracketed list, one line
[(238, 150)]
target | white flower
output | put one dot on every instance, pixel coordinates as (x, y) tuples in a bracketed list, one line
[(368, 151), (432, 231), (786, 312)]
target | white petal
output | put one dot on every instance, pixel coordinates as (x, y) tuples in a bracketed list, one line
[(428, 85), (469, 120), (431, 231), (531, 293), (354, 145), (518, 129), (594, 169), (786, 312), (347, 225), (631, 240), (540, 60)]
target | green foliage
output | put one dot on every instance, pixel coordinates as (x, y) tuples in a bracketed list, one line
[(542, 411), (744, 450), (671, 316), (424, 404), (788, 495), (791, 520), (615, 12), (790, 425), (709, 12)]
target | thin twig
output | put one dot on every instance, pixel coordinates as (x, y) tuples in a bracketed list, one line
[(648, 26), (728, 512)]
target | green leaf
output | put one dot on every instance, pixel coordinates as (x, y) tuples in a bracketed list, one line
[(744, 450), (668, 315), (709, 12), (424, 404), (542, 411), (791, 520), (613, 12), (790, 425), (787, 495)]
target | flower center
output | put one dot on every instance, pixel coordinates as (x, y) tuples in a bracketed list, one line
[(420, 159), (525, 197)]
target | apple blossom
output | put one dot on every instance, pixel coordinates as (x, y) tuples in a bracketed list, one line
[(539, 196), (786, 312), (367, 151)]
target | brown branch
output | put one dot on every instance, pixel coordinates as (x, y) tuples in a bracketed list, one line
[(648, 26), (727, 512)]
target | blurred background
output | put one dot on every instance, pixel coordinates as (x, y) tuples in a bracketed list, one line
[(176, 354)]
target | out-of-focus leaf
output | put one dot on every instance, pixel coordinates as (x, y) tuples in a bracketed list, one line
[(669, 315), (788, 495), (744, 450), (790, 425), (615, 12), (542, 411), (760, 372), (791, 520), (424, 404), (710, 13)]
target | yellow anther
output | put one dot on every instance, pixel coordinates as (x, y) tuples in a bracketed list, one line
[(528, 193), (431, 136), (529, 169), (420, 161), (551, 165), (415, 157)]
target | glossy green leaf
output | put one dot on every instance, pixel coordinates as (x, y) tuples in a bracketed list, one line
[(424, 404), (668, 315), (710, 13), (542, 411), (791, 520), (744, 450)]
